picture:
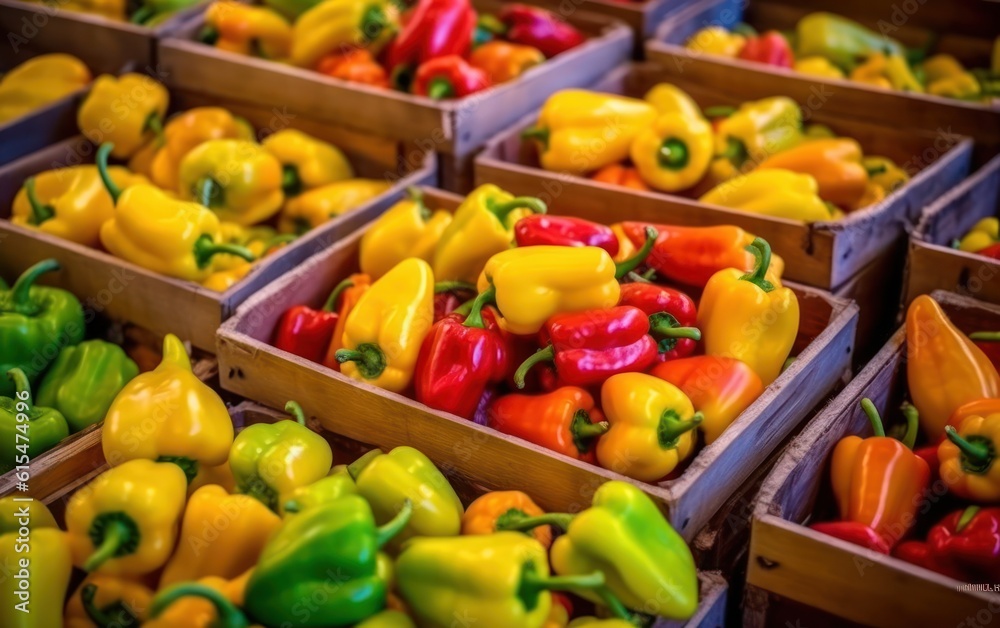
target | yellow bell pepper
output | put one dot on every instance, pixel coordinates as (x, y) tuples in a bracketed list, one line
[(141, 161), (744, 316), (191, 611), (127, 111), (125, 521), (968, 458), (115, 600), (111, 9), (44, 566), (238, 180), (334, 24), (168, 414), (872, 72), (206, 548), (319, 205), (963, 85), (674, 152), (408, 229), (483, 226), (183, 133), (222, 280), (384, 331), (835, 164), (579, 131), (898, 71), (941, 66), (247, 29), (818, 66), (38, 82), (307, 162), (772, 192), (668, 98), (884, 173), (716, 40), (756, 131), (220, 474), (70, 203), (983, 234)]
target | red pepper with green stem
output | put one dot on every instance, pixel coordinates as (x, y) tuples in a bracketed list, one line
[(543, 229), (672, 308), (431, 29), (565, 420), (449, 77), (532, 26), (449, 296), (965, 546), (307, 332)]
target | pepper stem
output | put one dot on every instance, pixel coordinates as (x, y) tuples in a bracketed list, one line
[(368, 357), (665, 326), (967, 516), (291, 184), (385, 533), (355, 468), (188, 465), (625, 267), (208, 35), (373, 23), (205, 248), (20, 294), (672, 427), (614, 604), (873, 416), (227, 613), (452, 286), (635, 277), (440, 88), (331, 301), (989, 336), (465, 308), (155, 124), (539, 134), (102, 169), (475, 316), (114, 614), (39, 212), (542, 355), (417, 196), (116, 533), (762, 255), (673, 154), (21, 385), (584, 431), (293, 408), (523, 524), (532, 581), (503, 210), (977, 455), (912, 421), (735, 152)]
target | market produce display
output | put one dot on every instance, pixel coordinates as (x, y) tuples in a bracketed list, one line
[(832, 46), (38, 82), (440, 49), (757, 158), (983, 239), (149, 13)]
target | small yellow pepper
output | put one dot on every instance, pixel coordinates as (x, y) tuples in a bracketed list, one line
[(115, 600), (772, 192), (408, 229), (127, 111), (756, 131), (835, 164), (183, 133), (963, 85), (716, 40), (38, 82), (333, 25), (222, 280), (247, 29), (319, 205), (983, 234), (674, 152), (818, 66), (307, 162), (884, 173), (968, 458), (941, 66)]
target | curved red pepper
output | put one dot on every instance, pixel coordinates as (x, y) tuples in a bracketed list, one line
[(538, 28), (653, 300), (691, 255), (431, 29), (564, 420), (449, 77), (771, 48), (306, 332), (543, 229)]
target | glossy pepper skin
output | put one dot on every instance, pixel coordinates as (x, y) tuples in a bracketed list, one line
[(317, 206), (734, 303), (271, 460), (336, 25), (538, 28), (408, 229), (208, 603), (186, 131), (719, 388), (45, 566), (103, 600), (944, 369), (968, 458), (360, 283), (496, 507), (39, 81), (35, 322), (26, 430), (540, 229), (565, 420), (335, 485), (168, 414), (716, 40), (125, 523), (503, 61), (247, 30), (384, 331), (431, 29), (818, 66), (770, 48), (448, 77), (33, 514), (672, 308), (84, 380), (756, 131), (773, 192), (970, 541), (835, 163), (692, 255), (136, 103), (673, 153), (839, 39), (624, 176), (306, 332), (356, 65), (307, 162)]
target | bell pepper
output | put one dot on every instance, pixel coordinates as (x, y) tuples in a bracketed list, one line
[(26, 430), (36, 577), (969, 541), (388, 619), (503, 61), (355, 65), (168, 415), (835, 164), (208, 603), (944, 368), (758, 130), (223, 280), (770, 48), (624, 176), (360, 283), (674, 151), (70, 203), (533, 283), (920, 553), (110, 9), (744, 316), (38, 82), (17, 512), (483, 226), (35, 323), (884, 173), (500, 580), (108, 601), (941, 66), (247, 30), (716, 40), (291, 9), (448, 77), (431, 29), (125, 522), (384, 331), (182, 134), (408, 229), (963, 86), (306, 332), (84, 380), (492, 509), (320, 205), (307, 162), (580, 131), (135, 102), (967, 458), (839, 39), (535, 27), (335, 25), (406, 476), (565, 420), (818, 66), (674, 311), (221, 535), (720, 388), (334, 486), (538, 229), (271, 460), (623, 535), (872, 72), (775, 192)]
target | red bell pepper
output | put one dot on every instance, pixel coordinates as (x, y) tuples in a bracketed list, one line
[(535, 27), (543, 229), (989, 343), (919, 553), (691, 255), (970, 541), (854, 532), (306, 332), (459, 358), (657, 300), (992, 251), (451, 296), (771, 48), (564, 420), (449, 77), (431, 29)]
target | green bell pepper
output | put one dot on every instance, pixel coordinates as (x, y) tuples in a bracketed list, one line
[(37, 432), (35, 322), (648, 566), (333, 486), (405, 474), (84, 380), (388, 619), (842, 41)]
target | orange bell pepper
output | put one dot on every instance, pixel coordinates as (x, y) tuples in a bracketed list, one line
[(197, 612), (483, 515), (360, 283), (503, 61), (835, 163), (355, 66), (624, 176), (979, 407)]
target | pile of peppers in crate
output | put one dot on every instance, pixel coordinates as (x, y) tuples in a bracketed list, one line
[(936, 506), (983, 239), (756, 158), (831, 46), (240, 200), (440, 49), (564, 332), (193, 524)]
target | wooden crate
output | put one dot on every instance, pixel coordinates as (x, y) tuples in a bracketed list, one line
[(791, 562), (965, 29), (933, 264), (120, 289), (251, 367), (455, 128)]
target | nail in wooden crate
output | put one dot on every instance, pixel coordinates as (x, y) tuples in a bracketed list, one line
[(122, 290), (789, 561), (251, 367)]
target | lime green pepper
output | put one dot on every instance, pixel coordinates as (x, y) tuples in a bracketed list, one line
[(405, 474), (322, 491), (37, 432), (84, 380), (17, 512)]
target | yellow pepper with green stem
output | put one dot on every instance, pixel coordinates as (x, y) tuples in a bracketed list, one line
[(335, 25), (246, 29), (408, 229), (38, 82), (307, 162), (127, 111), (754, 132), (311, 209), (674, 152), (103, 600), (772, 192), (183, 133)]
